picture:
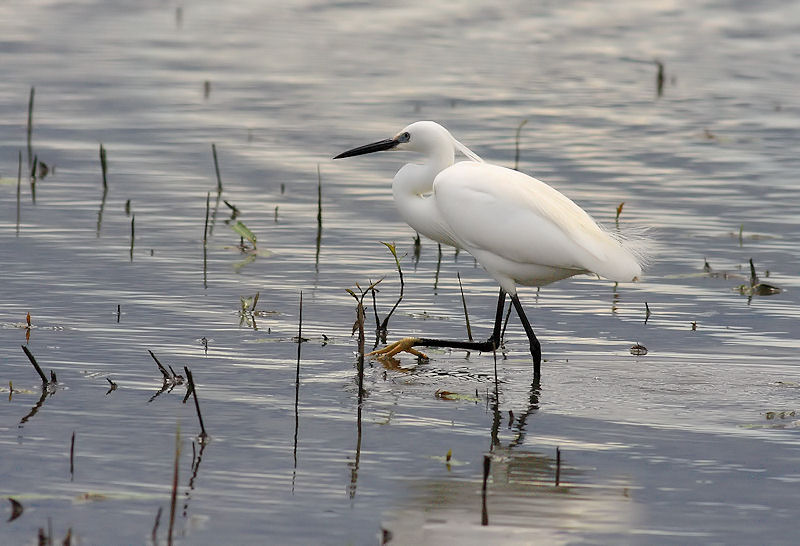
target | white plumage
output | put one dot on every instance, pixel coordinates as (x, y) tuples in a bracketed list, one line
[(518, 228)]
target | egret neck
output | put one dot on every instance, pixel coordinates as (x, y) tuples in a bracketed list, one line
[(412, 188)]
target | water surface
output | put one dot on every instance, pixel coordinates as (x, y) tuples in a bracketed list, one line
[(694, 442)]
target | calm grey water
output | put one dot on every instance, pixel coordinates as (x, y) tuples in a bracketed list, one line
[(693, 443)]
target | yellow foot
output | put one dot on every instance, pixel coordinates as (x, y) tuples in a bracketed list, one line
[(405, 345)]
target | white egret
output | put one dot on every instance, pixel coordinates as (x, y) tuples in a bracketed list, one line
[(521, 231)]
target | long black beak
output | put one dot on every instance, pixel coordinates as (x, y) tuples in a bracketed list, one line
[(379, 146)]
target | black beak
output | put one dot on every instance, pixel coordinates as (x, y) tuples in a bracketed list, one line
[(379, 146)]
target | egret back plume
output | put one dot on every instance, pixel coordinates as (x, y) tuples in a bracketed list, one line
[(467, 152)]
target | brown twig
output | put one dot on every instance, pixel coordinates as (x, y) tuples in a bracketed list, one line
[(35, 365)]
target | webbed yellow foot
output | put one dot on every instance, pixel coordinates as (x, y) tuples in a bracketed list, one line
[(405, 345)]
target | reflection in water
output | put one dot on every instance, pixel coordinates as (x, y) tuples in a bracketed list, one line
[(197, 458), (133, 234), (30, 126), (602, 138), (213, 220), (319, 219), (297, 393), (357, 459), (100, 212), (46, 391), (522, 496), (19, 182), (438, 268)]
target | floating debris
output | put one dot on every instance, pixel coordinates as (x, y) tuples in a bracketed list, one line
[(755, 287), (638, 350), (780, 414), (449, 395), (112, 386), (16, 509)]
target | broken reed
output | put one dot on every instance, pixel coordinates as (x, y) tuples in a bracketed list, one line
[(35, 365), (216, 167), (193, 389), (104, 166), (161, 368)]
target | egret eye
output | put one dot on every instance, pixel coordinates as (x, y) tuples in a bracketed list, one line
[(405, 137)]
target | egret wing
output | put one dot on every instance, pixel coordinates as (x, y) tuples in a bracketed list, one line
[(521, 219)]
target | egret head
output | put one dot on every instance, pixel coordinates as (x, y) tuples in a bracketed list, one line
[(420, 136)]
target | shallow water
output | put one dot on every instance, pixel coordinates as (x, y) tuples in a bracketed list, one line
[(685, 444)]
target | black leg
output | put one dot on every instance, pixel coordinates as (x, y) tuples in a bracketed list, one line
[(489, 345), (536, 348), (498, 318)]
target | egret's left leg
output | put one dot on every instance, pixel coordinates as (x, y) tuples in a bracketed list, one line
[(407, 343), (536, 347)]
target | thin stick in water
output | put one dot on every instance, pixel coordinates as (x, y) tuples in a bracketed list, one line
[(104, 166), (385, 324), (133, 230), (154, 534), (319, 217), (216, 167), (300, 325), (558, 466), (163, 370), (505, 321), (464, 303), (193, 388), (35, 365), (205, 226), (205, 242), (72, 457), (319, 196), (30, 123)]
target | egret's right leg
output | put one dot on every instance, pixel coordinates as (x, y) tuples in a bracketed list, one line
[(536, 347)]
